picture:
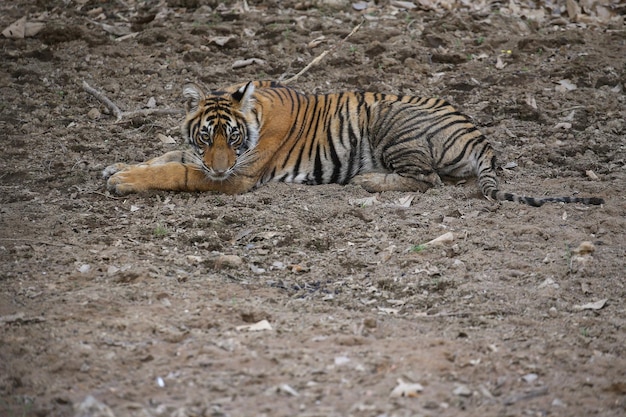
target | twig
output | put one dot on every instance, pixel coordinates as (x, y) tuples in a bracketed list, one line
[(104, 100), (119, 115), (38, 242), (526, 396), (322, 55)]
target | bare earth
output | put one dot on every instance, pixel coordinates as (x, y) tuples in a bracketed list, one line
[(145, 302)]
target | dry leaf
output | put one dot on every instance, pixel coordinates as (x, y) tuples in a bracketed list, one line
[(316, 42), (565, 85), (530, 100), (259, 326), (222, 40), (403, 4), (16, 29), (591, 175), (443, 239), (360, 5), (405, 201), (563, 125), (573, 9), (597, 305), (404, 389), (245, 62), (165, 139), (364, 202), (288, 390), (500, 63), (22, 29), (390, 311), (115, 30)]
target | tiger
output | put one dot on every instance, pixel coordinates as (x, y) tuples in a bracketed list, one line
[(253, 133)]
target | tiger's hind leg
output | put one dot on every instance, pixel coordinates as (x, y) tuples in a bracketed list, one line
[(380, 181)]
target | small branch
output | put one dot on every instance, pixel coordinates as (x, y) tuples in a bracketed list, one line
[(119, 115), (104, 100), (36, 242), (322, 55), (150, 112)]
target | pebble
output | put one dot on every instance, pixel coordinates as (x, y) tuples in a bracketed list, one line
[(94, 114)]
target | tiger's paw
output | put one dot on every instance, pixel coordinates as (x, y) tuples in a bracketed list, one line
[(122, 183), (112, 169), (375, 182)]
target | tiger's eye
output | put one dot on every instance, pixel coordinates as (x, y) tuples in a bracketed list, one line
[(205, 137)]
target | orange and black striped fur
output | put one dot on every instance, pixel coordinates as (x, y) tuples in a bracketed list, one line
[(248, 135)]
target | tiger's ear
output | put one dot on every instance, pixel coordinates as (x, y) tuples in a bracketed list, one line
[(193, 96), (243, 97)]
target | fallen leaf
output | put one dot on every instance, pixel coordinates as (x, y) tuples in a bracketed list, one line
[(364, 202), (165, 139), (222, 40), (565, 85), (256, 327), (245, 62), (530, 100), (288, 390), (115, 30), (298, 269), (462, 391), (573, 9), (403, 4), (405, 201), (341, 360), (404, 389), (360, 5), (16, 29), (390, 311), (596, 305), (443, 239), (316, 42)]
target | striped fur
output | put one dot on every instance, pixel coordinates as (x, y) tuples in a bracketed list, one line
[(251, 134)]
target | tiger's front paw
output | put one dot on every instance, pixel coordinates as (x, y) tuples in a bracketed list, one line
[(112, 169), (122, 182)]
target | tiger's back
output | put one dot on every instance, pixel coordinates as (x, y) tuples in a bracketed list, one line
[(251, 134)]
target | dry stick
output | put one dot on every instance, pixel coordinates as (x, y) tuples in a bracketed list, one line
[(322, 55), (120, 114), (104, 100)]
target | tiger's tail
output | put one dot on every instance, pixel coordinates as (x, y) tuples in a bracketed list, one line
[(488, 184)]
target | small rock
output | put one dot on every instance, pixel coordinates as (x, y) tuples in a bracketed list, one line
[(84, 268), (221, 261), (585, 248), (94, 114)]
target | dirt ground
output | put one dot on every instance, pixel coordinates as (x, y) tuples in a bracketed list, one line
[(154, 304)]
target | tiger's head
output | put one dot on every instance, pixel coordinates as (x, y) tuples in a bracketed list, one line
[(221, 128)]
